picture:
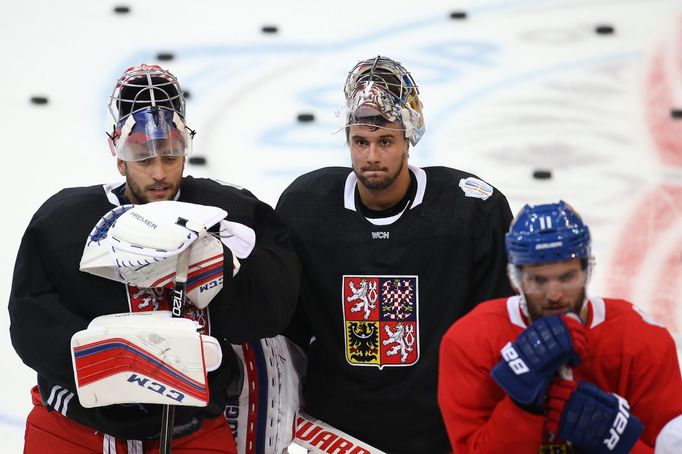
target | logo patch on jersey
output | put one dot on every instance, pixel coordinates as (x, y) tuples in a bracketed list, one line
[(160, 299), (380, 320), (473, 187)]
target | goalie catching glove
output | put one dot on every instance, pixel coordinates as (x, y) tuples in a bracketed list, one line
[(145, 357), (530, 362), (139, 246)]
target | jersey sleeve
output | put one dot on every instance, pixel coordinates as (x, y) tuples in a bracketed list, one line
[(655, 394), (489, 273), (259, 301), (478, 416), (636, 358), (40, 326), (299, 330)]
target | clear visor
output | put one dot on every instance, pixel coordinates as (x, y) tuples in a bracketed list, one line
[(533, 283), (374, 105), (151, 132)]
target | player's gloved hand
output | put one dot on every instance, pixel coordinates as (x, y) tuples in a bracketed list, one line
[(156, 231), (139, 245), (593, 420), (529, 363)]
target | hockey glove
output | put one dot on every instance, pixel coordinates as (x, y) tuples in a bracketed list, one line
[(529, 363), (591, 419), (139, 245)]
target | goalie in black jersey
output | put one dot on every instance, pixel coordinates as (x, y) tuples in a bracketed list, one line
[(101, 269), (392, 255)]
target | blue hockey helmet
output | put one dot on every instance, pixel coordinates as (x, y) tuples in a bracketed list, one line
[(547, 233)]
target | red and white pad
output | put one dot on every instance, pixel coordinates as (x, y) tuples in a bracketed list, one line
[(144, 357), (264, 417)]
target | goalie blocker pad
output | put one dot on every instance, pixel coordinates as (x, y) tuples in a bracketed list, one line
[(146, 357)]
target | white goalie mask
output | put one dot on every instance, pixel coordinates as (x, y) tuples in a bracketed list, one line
[(381, 90), (148, 108)]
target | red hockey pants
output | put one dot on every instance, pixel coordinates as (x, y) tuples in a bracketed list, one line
[(51, 432)]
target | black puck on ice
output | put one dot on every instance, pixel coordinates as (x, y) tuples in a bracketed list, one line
[(305, 117), (186, 94), (165, 56), (39, 100), (197, 160), (604, 29), (458, 15), (676, 114), (542, 174), (269, 29), (121, 9)]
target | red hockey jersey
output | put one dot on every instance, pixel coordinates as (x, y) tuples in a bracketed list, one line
[(629, 354)]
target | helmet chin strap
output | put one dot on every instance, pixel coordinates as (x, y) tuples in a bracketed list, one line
[(582, 313), (524, 305)]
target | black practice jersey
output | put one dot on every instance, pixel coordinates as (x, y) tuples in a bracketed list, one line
[(378, 294), (51, 299)]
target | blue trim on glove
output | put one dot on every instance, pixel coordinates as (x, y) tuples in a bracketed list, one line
[(599, 422), (529, 363)]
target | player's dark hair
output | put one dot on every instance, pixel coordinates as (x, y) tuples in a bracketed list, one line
[(375, 120)]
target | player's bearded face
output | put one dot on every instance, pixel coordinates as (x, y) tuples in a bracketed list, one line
[(152, 179), (554, 288), (379, 154)]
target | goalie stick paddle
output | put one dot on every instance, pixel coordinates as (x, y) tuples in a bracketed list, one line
[(179, 294)]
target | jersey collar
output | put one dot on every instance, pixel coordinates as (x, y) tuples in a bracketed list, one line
[(352, 181), (595, 312)]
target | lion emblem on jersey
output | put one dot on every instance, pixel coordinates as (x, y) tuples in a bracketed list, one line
[(380, 320), (366, 293)]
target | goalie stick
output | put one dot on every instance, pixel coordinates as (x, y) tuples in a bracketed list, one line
[(179, 295), (319, 437)]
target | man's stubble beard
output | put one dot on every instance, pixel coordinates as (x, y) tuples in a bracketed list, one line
[(385, 182)]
